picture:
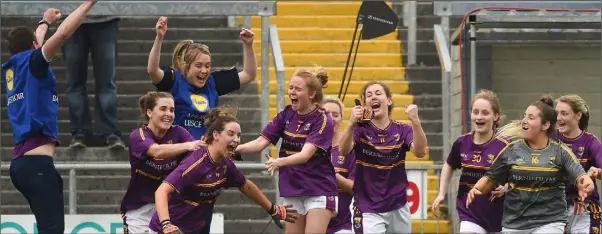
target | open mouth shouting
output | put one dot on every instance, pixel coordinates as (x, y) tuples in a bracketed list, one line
[(479, 123), (375, 105), (230, 149), (294, 101)]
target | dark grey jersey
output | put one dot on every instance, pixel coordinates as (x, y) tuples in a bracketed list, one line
[(536, 195)]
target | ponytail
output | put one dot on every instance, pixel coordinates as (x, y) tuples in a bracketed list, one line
[(177, 58)]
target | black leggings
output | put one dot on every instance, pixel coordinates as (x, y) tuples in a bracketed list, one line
[(40, 183)]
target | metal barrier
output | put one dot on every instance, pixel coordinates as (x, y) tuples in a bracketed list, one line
[(72, 168), (409, 21)]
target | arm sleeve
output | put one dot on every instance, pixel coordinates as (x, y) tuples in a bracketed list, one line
[(321, 133), (168, 80), (186, 137), (454, 159), (595, 153), (273, 131), (352, 166), (38, 65), (498, 171), (570, 163), (226, 81), (140, 142)]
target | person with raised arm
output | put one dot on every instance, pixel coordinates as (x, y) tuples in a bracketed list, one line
[(32, 103), (380, 145), (195, 88)]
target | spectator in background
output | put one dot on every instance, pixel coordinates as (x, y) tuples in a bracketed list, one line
[(97, 36)]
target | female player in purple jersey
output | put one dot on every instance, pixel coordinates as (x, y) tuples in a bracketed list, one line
[(155, 150), (573, 117), (344, 166), (380, 146), (535, 166), (307, 178), (201, 176), (473, 153)]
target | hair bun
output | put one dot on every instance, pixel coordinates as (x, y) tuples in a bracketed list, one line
[(547, 99)]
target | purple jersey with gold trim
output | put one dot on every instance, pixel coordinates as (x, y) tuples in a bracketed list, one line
[(148, 172), (380, 176), (198, 181), (316, 176), (345, 166), (586, 148), (475, 160)]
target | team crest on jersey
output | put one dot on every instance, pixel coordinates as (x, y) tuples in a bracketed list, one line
[(10, 76), (331, 198), (286, 123), (307, 127), (490, 158), (464, 156), (396, 136), (581, 149), (357, 222), (341, 159), (595, 230), (200, 102), (518, 160), (552, 160)]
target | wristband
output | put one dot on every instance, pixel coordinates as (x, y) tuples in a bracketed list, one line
[(44, 22), (165, 222)]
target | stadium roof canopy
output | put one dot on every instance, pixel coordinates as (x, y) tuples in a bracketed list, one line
[(512, 22)]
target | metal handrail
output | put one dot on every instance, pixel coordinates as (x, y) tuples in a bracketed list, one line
[(442, 43), (72, 167), (412, 30)]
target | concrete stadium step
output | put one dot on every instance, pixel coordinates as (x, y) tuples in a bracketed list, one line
[(306, 21), (144, 46), (115, 182), (96, 141), (398, 100), (305, 8), (62, 156), (334, 46), (114, 197), (230, 211), (355, 87), (194, 33), (337, 59), (139, 74), (359, 73), (141, 59), (318, 33), (128, 124), (244, 114), (129, 98), (133, 21), (125, 73)]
